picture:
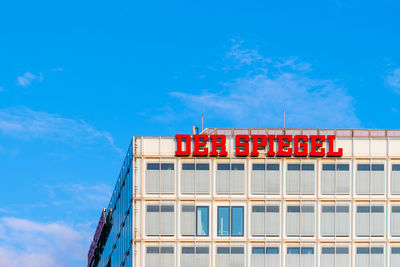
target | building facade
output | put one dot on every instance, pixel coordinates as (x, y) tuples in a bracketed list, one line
[(265, 210)]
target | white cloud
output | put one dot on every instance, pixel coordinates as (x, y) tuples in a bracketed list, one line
[(23, 122), (393, 80), (35, 244), (263, 87), (27, 78)]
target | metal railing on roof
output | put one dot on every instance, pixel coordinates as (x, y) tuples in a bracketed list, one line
[(368, 133)]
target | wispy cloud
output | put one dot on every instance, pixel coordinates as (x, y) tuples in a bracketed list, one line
[(27, 78), (36, 244), (263, 87), (80, 195), (22, 122), (393, 80)]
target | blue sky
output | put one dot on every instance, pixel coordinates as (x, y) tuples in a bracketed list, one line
[(77, 80)]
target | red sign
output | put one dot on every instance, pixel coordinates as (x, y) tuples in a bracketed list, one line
[(274, 145)]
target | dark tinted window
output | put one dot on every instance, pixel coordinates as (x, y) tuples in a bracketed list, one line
[(167, 208), (328, 250), (187, 250), (188, 166), (152, 249), (362, 250), (343, 167), (363, 167), (258, 167), (223, 167), (363, 209), (202, 250), (153, 208), (396, 167), (272, 251), (237, 250), (273, 167), (237, 167), (167, 166), (293, 209), (202, 166), (307, 167), (258, 209), (293, 167), (293, 250), (376, 250), (153, 166), (377, 209), (395, 250), (167, 250), (272, 208), (395, 208), (258, 250), (328, 208), (222, 250), (328, 167), (378, 167)]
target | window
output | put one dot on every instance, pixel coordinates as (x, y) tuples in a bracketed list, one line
[(230, 221), (300, 220), (395, 221), (160, 178), (195, 178), (265, 179), (160, 220), (160, 256), (335, 179), (370, 221), (230, 178), (395, 257), (335, 220), (265, 220), (370, 179), (300, 179), (265, 256), (230, 256), (300, 256), (395, 179), (370, 257), (195, 256), (335, 257), (194, 222)]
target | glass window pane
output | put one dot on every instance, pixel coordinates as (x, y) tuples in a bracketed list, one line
[(328, 167), (187, 166), (307, 250), (258, 250), (167, 166), (272, 250), (396, 167), (258, 167), (273, 167), (238, 167), (293, 250), (187, 250), (378, 167), (293, 167), (223, 221), (343, 167), (223, 167), (307, 167), (202, 221), (237, 221), (153, 166), (363, 167), (202, 166)]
